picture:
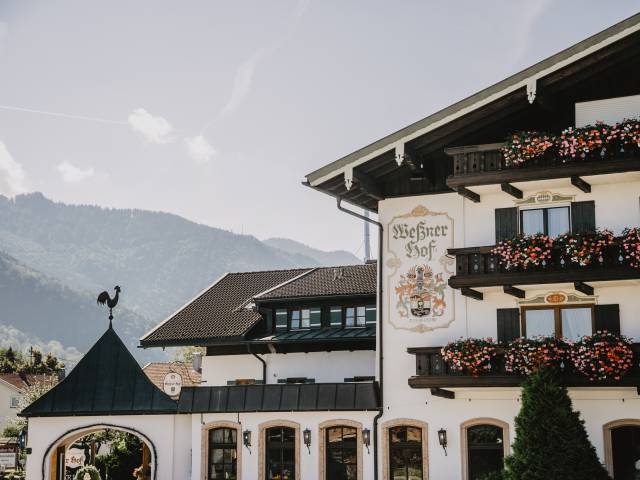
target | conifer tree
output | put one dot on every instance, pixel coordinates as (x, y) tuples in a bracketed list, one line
[(551, 441)]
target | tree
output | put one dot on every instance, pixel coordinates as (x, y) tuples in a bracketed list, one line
[(185, 354), (551, 441)]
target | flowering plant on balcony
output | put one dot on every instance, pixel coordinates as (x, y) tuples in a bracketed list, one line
[(630, 243), (524, 251), (470, 355), (525, 355), (578, 142), (521, 147), (602, 356), (583, 248)]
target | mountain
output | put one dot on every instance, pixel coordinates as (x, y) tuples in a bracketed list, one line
[(336, 257), (61, 256), (39, 311)]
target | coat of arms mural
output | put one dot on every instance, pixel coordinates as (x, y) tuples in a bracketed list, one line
[(419, 268)]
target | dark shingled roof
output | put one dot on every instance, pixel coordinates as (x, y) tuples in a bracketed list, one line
[(328, 281), (220, 311), (107, 381), (280, 398)]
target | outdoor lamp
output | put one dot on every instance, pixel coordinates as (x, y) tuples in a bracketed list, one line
[(22, 439), (442, 439), (306, 436), (246, 438), (366, 438)]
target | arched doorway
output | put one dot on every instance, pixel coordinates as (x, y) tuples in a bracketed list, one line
[(622, 449), (114, 450)]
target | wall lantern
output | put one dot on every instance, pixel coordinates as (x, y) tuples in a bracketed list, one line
[(246, 439), (306, 436), (442, 439), (22, 439), (366, 438)]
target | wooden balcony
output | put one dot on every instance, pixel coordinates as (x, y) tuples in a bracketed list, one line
[(484, 165), (478, 267), (434, 373)]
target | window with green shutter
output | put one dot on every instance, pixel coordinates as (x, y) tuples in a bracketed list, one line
[(370, 317), (335, 317), (281, 319)]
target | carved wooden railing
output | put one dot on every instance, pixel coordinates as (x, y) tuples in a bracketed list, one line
[(485, 165), (477, 266), (433, 372)]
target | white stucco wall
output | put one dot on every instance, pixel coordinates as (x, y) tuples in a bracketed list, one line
[(617, 206), (324, 367), (169, 434)]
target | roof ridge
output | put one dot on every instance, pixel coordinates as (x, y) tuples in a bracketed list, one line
[(280, 285), (271, 271)]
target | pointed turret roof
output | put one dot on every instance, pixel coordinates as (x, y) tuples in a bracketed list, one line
[(107, 381)]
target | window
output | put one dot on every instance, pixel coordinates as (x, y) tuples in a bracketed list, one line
[(355, 316), (341, 453), (223, 454), (13, 403), (405, 453), (485, 450), (552, 221), (300, 318), (280, 453), (570, 322)]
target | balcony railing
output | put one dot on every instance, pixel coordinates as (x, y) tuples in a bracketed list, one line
[(433, 372), (478, 267), (484, 165)]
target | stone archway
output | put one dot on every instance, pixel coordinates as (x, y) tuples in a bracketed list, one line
[(51, 458)]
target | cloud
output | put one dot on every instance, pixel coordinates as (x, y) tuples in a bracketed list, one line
[(154, 129), (10, 336), (12, 175), (242, 82), (199, 149), (72, 174), (528, 13)]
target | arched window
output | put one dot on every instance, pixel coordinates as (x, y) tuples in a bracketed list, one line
[(405, 453), (622, 448), (223, 453), (341, 453), (484, 447), (280, 453)]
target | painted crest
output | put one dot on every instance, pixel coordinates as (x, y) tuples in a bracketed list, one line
[(419, 268)]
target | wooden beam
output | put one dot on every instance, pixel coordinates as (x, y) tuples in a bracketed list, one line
[(471, 293), (514, 291), (442, 393), (576, 181), (369, 185), (410, 160), (473, 196), (583, 288), (511, 190)]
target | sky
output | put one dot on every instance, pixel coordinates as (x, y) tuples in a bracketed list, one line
[(216, 110)]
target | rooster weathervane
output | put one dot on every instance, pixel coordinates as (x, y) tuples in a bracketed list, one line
[(105, 299)]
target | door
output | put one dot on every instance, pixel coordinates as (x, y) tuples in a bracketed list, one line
[(625, 446)]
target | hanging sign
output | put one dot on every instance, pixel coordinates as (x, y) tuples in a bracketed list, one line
[(172, 384), (74, 458), (418, 267)]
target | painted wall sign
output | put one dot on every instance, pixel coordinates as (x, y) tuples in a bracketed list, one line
[(172, 383), (420, 299), (74, 458), (8, 459)]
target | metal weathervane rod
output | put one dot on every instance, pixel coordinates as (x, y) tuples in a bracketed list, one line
[(105, 299)]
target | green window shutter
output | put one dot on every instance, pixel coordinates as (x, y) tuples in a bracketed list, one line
[(315, 316), (583, 216), (281, 319), (336, 317), (508, 324), (608, 318), (370, 315), (506, 223)]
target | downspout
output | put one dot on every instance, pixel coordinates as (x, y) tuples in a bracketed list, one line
[(264, 364), (379, 332)]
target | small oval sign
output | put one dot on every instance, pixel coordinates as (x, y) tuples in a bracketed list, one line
[(556, 298), (172, 383)]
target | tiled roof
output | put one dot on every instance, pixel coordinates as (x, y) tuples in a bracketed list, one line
[(21, 381), (280, 398), (106, 381), (220, 311), (158, 370), (328, 281)]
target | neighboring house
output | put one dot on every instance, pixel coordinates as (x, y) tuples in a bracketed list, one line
[(11, 385), (287, 389), (171, 377)]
